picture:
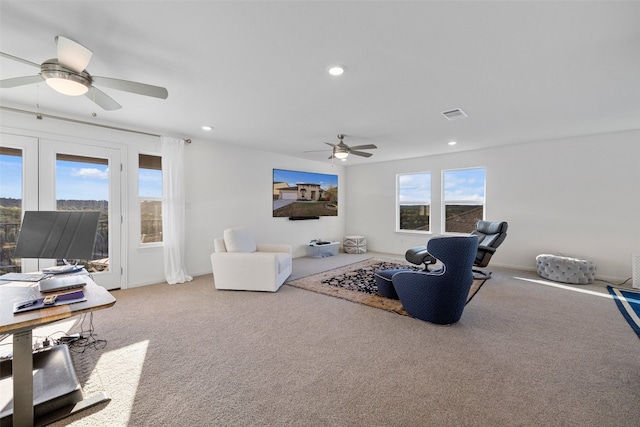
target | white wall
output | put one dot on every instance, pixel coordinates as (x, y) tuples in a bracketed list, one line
[(229, 186), (574, 197), (226, 186)]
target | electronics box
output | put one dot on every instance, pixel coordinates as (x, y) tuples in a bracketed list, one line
[(315, 250)]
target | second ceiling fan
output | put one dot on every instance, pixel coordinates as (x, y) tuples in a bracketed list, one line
[(342, 150)]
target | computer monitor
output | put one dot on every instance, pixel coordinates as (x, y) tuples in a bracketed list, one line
[(57, 234)]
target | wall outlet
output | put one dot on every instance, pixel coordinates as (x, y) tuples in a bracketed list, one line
[(635, 267)]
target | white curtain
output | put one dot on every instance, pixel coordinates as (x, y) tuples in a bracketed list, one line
[(173, 215)]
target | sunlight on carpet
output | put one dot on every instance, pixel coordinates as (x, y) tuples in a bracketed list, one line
[(122, 369)]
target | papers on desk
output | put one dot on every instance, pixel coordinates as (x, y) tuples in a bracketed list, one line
[(23, 277), (46, 272), (37, 303)]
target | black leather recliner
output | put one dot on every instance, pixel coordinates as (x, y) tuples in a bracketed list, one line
[(490, 236)]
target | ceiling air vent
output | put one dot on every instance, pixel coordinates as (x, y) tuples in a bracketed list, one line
[(454, 114)]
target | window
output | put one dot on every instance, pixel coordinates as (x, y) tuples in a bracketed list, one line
[(463, 199), (10, 207), (150, 195), (414, 202)]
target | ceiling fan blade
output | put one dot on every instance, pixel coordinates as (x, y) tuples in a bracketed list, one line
[(72, 54), (364, 147), (333, 145), (20, 81), (133, 87), (360, 153), (102, 99), (15, 58)]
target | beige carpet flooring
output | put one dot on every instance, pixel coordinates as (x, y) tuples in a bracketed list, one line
[(526, 352)]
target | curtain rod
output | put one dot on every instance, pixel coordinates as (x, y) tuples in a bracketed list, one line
[(40, 116)]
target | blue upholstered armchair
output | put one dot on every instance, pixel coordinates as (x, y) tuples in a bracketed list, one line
[(439, 296)]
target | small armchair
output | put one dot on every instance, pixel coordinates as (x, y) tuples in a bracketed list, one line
[(439, 296), (490, 235), (238, 263)]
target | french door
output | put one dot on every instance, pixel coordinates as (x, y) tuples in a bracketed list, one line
[(59, 175)]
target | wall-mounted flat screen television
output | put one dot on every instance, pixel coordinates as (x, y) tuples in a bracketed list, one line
[(304, 194)]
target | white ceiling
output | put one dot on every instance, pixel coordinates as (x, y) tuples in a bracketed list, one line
[(256, 71)]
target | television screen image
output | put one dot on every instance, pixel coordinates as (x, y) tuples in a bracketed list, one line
[(304, 194)]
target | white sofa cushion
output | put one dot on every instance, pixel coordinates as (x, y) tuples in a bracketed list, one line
[(239, 239)]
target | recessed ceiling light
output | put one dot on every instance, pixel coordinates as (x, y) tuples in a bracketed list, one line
[(336, 70), (207, 128), (452, 143)]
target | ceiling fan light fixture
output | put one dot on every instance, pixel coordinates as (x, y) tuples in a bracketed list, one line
[(342, 155), (64, 80), (67, 86)]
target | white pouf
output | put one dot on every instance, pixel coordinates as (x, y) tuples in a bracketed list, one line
[(565, 269), (354, 245)]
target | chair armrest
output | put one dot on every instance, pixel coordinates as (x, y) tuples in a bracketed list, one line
[(487, 249), (241, 260)]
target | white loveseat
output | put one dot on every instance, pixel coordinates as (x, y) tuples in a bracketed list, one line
[(239, 263)]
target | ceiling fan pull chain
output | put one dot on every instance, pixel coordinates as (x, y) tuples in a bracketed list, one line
[(94, 114)]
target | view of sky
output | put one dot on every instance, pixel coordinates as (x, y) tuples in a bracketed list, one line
[(81, 181), (10, 176), (150, 183), (88, 181), (74, 180), (294, 177), (414, 189), (463, 186)]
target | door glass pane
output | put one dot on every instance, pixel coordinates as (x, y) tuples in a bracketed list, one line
[(82, 183), (10, 207)]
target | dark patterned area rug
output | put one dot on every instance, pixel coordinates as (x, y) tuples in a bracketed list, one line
[(355, 282)]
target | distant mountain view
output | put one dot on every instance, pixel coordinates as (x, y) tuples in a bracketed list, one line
[(89, 205)]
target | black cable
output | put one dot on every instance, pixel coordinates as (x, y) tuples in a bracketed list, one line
[(87, 338), (613, 284)]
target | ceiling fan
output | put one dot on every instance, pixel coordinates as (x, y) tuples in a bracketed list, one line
[(67, 74), (342, 150)]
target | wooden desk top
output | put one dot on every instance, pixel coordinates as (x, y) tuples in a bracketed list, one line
[(12, 292)]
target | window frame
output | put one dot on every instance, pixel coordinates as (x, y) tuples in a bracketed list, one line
[(429, 204), (444, 203), (141, 199)]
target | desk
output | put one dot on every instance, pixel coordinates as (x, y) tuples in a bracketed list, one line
[(22, 325)]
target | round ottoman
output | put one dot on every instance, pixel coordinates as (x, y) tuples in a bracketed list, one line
[(354, 245), (565, 269), (385, 284)]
